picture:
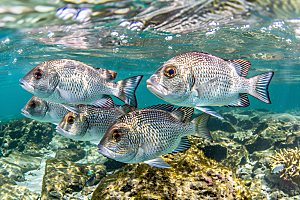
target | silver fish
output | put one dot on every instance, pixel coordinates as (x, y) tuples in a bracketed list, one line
[(201, 80), (91, 123), (44, 111), (146, 134), (277, 168), (69, 81)]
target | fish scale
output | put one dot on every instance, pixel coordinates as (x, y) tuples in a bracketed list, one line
[(68, 81), (201, 80), (148, 133), (92, 122), (44, 111)]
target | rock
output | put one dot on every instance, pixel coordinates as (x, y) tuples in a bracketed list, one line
[(70, 154), (232, 119), (245, 124), (10, 173), (14, 192), (193, 176), (62, 178), (281, 116), (261, 127), (113, 165), (214, 151), (290, 143), (255, 119), (216, 124), (26, 136), (259, 144), (61, 142), (26, 162)]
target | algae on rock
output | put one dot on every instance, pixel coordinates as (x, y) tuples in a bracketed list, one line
[(62, 178), (193, 176)]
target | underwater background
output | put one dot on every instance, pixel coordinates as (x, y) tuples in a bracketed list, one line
[(135, 38)]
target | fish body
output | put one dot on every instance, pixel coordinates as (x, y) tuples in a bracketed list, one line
[(91, 123), (201, 80), (146, 134), (69, 81), (277, 168), (44, 111)]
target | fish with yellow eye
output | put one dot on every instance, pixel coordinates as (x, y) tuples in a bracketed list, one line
[(202, 80), (44, 111), (91, 123), (143, 135)]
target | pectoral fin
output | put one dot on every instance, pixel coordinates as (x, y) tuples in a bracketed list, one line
[(201, 88), (210, 110), (158, 162), (67, 95)]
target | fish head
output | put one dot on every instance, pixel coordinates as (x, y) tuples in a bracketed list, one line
[(40, 81), (73, 126), (117, 143), (172, 81), (36, 108)]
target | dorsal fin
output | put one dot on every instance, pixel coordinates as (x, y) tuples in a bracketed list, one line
[(105, 102), (183, 145), (164, 107), (241, 66), (107, 74), (183, 113), (242, 101)]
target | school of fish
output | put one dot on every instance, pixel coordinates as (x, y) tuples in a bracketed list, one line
[(75, 97)]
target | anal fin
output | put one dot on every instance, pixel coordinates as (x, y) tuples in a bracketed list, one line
[(183, 145), (210, 110), (242, 101), (158, 162)]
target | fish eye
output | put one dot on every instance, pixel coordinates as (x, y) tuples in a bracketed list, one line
[(170, 72), (38, 74), (71, 120), (116, 135), (32, 104)]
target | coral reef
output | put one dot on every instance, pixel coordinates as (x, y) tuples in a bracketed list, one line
[(25, 135), (193, 176), (289, 162), (62, 178)]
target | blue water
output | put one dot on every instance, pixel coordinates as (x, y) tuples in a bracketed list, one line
[(21, 52), (265, 33)]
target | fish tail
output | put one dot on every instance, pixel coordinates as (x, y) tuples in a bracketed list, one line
[(259, 86), (127, 90), (201, 123)]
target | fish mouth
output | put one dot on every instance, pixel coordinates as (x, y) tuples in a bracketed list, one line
[(156, 88), (26, 86), (106, 152), (25, 113), (63, 132)]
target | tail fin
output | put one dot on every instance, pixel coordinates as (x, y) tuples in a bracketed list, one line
[(127, 90), (201, 123), (260, 85)]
